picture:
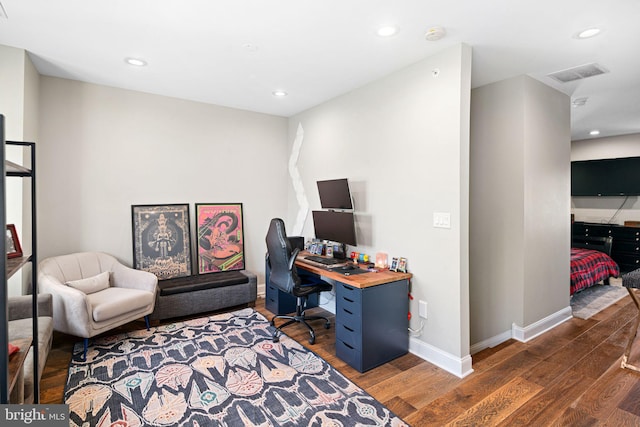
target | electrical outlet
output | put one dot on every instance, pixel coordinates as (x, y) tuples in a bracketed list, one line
[(423, 309)]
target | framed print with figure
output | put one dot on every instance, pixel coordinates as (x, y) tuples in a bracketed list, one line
[(12, 243), (161, 240), (220, 237)]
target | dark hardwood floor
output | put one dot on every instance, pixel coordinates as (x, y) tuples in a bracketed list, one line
[(569, 376)]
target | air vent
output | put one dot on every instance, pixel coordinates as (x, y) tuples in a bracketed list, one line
[(577, 73)]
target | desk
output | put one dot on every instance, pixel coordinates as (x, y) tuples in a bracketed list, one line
[(371, 314)]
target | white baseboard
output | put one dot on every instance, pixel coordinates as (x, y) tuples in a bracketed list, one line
[(460, 367), (527, 333), (541, 326), (491, 342)]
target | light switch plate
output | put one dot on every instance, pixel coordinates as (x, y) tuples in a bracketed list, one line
[(442, 219)]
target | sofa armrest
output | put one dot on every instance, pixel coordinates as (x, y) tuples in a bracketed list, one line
[(20, 306), (126, 277)]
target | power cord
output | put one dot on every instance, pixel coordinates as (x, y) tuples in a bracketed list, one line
[(416, 332), (618, 211), (329, 299)]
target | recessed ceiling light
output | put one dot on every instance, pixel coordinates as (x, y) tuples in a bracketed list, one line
[(136, 62), (279, 93), (387, 31), (589, 32), (594, 132)]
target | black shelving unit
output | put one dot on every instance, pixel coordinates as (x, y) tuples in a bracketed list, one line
[(8, 267)]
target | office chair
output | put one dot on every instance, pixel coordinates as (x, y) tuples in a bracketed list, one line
[(284, 276)]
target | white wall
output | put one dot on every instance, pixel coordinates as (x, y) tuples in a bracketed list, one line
[(403, 143), (18, 103), (547, 203), (102, 150), (519, 236), (606, 209)]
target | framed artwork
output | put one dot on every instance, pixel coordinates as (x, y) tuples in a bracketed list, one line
[(161, 240), (14, 250), (394, 264), (220, 237)]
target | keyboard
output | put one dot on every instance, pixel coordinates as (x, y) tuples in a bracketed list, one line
[(323, 260)]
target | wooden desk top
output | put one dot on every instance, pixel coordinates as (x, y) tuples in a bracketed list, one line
[(16, 360), (362, 280)]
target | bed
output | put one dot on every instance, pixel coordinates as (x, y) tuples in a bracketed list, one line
[(591, 262)]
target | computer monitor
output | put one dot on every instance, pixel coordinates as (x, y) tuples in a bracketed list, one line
[(335, 226), (334, 194)]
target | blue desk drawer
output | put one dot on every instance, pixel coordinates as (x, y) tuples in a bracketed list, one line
[(349, 354), (349, 292), (348, 305), (349, 335), (350, 315)]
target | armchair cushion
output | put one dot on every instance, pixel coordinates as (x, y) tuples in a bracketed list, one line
[(113, 302), (91, 284)]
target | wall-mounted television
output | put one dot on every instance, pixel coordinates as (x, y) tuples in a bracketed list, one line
[(335, 226), (606, 177), (335, 194)]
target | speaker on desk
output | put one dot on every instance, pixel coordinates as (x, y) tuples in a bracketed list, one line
[(296, 242)]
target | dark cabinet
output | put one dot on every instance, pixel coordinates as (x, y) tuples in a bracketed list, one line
[(371, 324), (625, 249)]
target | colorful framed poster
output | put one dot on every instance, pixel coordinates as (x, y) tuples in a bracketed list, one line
[(220, 237), (161, 240)]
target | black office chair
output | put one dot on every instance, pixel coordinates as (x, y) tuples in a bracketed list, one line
[(284, 276)]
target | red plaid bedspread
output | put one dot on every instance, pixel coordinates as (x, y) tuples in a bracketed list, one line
[(589, 267)]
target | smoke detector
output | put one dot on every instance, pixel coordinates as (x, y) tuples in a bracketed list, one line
[(435, 33)]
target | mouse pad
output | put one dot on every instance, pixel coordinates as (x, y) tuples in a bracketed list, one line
[(351, 271)]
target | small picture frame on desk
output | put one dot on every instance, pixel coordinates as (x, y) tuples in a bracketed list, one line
[(402, 265), (330, 250), (394, 264), (14, 250)]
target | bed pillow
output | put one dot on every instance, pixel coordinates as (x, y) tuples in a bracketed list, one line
[(91, 285)]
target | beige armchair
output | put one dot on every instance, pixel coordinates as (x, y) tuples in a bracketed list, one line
[(93, 293)]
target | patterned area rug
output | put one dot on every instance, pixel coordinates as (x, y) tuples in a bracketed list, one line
[(222, 370), (594, 299)]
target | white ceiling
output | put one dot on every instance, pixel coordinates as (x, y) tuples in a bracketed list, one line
[(236, 52)]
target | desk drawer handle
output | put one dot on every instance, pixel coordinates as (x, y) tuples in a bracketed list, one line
[(347, 311), (347, 288), (347, 345), (347, 299), (347, 328)]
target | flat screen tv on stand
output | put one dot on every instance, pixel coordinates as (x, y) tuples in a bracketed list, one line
[(338, 227)]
